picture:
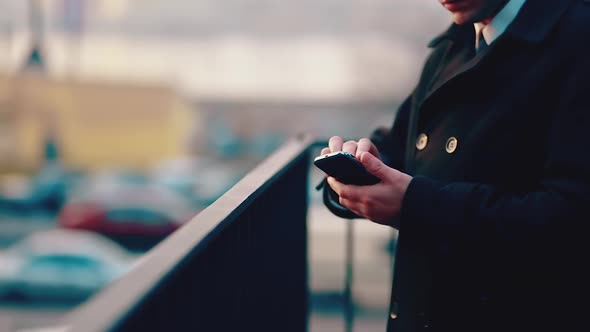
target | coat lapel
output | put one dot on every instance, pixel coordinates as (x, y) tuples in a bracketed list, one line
[(459, 57), (532, 25)]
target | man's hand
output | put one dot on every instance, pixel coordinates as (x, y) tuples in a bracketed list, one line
[(336, 144), (381, 202)]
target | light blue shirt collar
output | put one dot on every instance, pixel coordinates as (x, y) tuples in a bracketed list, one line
[(499, 23)]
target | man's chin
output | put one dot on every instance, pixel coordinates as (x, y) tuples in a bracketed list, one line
[(462, 18)]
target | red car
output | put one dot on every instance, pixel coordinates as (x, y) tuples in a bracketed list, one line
[(127, 210)]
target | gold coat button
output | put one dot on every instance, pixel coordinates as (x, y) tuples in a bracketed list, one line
[(451, 145), (421, 142), (394, 310)]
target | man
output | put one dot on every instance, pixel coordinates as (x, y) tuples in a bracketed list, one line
[(486, 173)]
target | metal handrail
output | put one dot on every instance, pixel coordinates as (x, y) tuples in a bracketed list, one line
[(110, 309)]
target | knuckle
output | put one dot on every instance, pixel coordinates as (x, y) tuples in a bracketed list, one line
[(368, 203), (378, 167), (335, 139), (365, 201), (344, 194), (350, 143)]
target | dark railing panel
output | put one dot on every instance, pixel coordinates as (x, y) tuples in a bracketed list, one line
[(240, 265)]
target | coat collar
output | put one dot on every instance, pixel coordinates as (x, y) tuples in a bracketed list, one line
[(533, 23), (454, 33), (537, 19)]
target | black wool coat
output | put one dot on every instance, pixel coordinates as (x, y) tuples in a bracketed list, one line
[(494, 223)]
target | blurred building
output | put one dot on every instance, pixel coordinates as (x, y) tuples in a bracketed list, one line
[(95, 124), (254, 66), (311, 50)]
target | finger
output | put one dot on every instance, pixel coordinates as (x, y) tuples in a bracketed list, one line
[(351, 205), (375, 166), (365, 145), (343, 190), (350, 147), (325, 151), (335, 185), (335, 143)]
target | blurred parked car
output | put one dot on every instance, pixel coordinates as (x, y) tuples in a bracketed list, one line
[(126, 210), (61, 265), (43, 194)]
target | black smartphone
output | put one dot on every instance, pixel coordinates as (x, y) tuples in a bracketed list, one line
[(345, 168)]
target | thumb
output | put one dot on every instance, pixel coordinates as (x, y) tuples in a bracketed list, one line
[(374, 165)]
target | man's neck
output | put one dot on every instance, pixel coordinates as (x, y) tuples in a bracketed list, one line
[(487, 20)]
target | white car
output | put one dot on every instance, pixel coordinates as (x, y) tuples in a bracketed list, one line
[(61, 264)]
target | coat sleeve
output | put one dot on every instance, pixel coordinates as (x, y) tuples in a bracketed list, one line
[(551, 214), (391, 145)]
